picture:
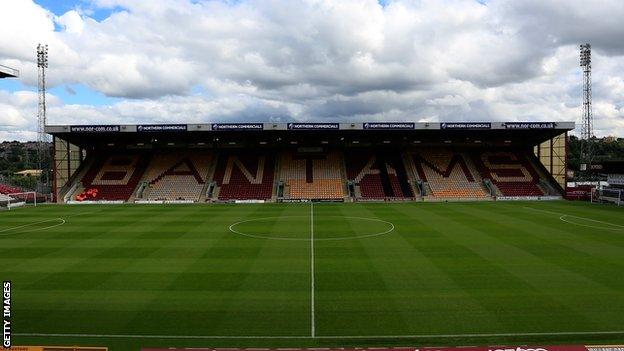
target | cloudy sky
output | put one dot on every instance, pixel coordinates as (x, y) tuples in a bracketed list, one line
[(168, 61)]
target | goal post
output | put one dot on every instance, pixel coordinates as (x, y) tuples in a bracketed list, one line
[(614, 196), (13, 200)]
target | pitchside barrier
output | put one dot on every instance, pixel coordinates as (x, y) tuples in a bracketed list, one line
[(580, 192), (99, 202), (527, 198), (476, 348), (56, 348)]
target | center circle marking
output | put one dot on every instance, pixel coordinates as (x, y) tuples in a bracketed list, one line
[(257, 236)]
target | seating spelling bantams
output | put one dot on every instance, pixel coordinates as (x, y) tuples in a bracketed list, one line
[(379, 175), (511, 172), (448, 174), (177, 176), (245, 176), (113, 178), (313, 176)]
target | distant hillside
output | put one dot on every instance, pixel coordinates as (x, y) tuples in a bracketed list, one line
[(605, 149), (16, 156)]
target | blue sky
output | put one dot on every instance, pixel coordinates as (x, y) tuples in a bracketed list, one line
[(69, 93), (59, 7)]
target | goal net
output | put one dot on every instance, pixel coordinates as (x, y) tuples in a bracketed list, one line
[(14, 200), (614, 196)]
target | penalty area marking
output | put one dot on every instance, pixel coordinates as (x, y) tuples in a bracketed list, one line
[(619, 227), (416, 336), (563, 216), (391, 228), (60, 221)]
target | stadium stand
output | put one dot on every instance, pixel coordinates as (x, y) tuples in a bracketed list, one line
[(9, 189), (245, 176), (177, 175), (448, 174), (511, 172), (312, 175), (183, 175), (316, 161), (378, 175), (113, 178)]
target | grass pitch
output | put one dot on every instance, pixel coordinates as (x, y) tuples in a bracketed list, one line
[(297, 275)]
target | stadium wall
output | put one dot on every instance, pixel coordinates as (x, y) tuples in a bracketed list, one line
[(553, 155), (68, 159)]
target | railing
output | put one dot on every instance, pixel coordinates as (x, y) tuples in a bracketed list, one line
[(280, 189), (351, 189), (421, 187), (490, 187), (550, 189), (211, 189), (70, 192), (141, 190)]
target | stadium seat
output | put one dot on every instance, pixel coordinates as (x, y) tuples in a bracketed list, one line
[(113, 178), (379, 175), (313, 176), (511, 172), (9, 189), (245, 176), (448, 174), (177, 175)]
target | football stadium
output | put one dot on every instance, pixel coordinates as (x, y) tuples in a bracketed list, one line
[(252, 190), (316, 235)]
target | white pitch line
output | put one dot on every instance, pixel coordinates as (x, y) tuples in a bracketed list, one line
[(562, 215), (141, 336), (372, 235), (589, 225), (60, 220), (595, 220), (312, 298), (540, 210), (421, 336)]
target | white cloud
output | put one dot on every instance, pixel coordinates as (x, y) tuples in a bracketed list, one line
[(321, 59), (72, 22), (18, 110)]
